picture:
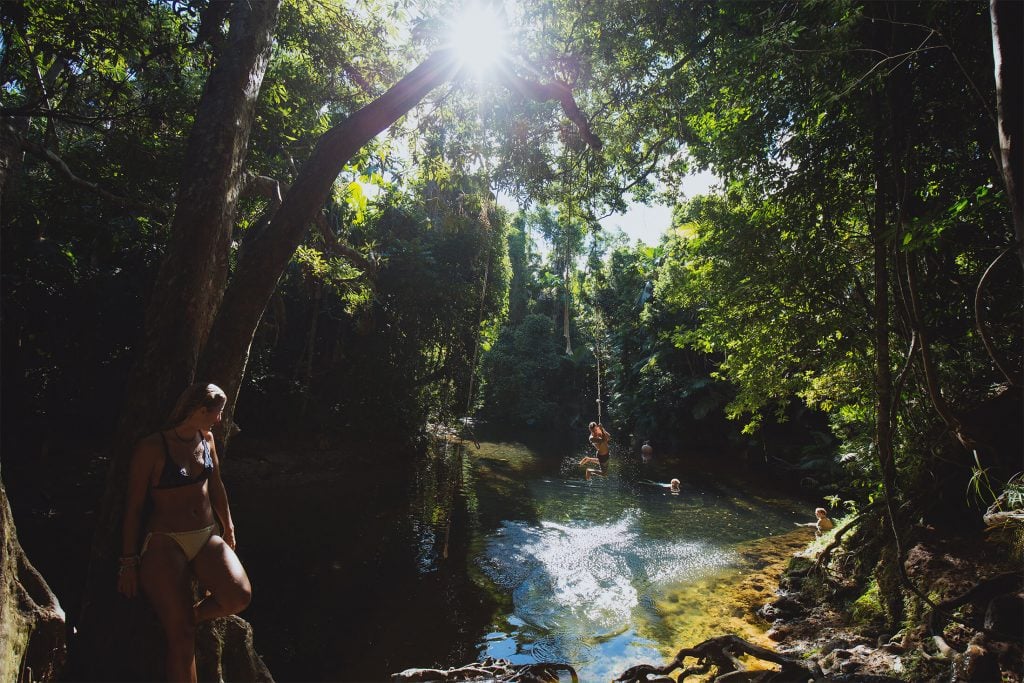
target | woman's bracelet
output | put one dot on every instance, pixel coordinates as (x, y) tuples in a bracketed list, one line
[(128, 561)]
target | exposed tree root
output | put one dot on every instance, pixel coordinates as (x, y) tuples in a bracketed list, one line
[(981, 593), (723, 652), (999, 513), (825, 556)]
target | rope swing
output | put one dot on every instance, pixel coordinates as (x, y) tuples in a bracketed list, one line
[(597, 354), (567, 270), (599, 327)]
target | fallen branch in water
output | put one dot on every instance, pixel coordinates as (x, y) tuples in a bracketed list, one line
[(492, 670)]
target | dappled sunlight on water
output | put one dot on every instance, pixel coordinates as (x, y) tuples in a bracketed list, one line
[(576, 589), (587, 578), (613, 572)]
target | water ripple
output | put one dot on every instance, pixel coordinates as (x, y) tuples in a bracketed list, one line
[(587, 578)]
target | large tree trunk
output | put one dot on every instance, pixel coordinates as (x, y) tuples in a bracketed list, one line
[(32, 640), (1008, 55), (186, 296), (265, 258), (883, 367)]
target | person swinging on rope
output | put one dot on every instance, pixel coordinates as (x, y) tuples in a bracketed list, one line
[(599, 438)]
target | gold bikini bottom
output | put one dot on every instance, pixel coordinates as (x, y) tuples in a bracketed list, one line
[(190, 542)]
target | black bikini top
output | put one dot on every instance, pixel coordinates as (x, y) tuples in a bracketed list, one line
[(174, 476)]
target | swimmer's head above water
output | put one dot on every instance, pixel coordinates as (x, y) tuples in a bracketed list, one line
[(674, 486)]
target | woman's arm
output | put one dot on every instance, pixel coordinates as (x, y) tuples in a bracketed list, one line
[(142, 462), (219, 497)]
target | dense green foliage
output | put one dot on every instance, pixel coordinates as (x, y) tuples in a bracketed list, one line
[(822, 309), (120, 83), (338, 357), (853, 141)]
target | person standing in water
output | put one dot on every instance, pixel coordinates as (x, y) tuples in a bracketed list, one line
[(646, 452), (599, 438), (189, 532)]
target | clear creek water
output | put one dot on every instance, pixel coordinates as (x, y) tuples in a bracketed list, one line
[(502, 551)]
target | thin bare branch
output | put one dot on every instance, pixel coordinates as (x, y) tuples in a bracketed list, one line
[(274, 189), (61, 166), (980, 324)]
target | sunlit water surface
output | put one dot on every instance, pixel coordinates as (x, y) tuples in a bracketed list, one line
[(502, 551), (586, 571)]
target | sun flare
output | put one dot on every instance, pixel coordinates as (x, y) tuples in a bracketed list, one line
[(478, 37)]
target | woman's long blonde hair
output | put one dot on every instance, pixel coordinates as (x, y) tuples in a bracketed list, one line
[(196, 396)]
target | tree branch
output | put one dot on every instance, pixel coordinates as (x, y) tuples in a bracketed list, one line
[(555, 90), (931, 376), (359, 79), (980, 324), (61, 166), (274, 190)]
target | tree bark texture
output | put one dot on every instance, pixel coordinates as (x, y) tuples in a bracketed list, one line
[(1008, 55), (186, 296), (32, 641), (265, 258)]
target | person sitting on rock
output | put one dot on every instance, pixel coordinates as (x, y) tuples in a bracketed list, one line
[(822, 525)]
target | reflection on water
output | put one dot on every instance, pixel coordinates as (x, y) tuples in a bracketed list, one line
[(589, 571)]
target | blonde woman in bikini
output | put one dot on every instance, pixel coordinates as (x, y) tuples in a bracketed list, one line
[(178, 470)]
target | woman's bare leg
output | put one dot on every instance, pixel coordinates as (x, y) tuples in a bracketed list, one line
[(220, 572), (167, 582)]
